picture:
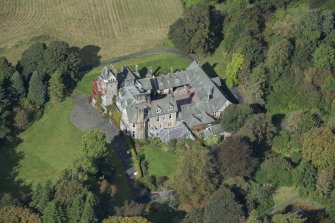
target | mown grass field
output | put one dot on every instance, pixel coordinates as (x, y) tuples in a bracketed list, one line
[(118, 27), (160, 64), (160, 163), (49, 146)]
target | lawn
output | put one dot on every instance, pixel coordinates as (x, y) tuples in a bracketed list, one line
[(50, 145), (160, 163), (160, 64), (118, 27)]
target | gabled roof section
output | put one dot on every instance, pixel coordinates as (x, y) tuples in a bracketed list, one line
[(163, 106), (107, 74)]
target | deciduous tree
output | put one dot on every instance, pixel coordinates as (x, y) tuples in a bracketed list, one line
[(56, 88), (222, 207), (234, 157), (234, 116), (318, 147), (198, 178)]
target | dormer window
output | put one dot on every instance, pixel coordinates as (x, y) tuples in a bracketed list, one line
[(158, 110), (171, 108), (177, 79)]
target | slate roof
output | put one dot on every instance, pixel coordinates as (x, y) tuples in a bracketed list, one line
[(107, 74), (181, 131), (212, 130), (162, 106)]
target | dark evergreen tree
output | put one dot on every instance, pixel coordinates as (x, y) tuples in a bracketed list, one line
[(42, 195), (88, 215), (53, 213), (6, 70), (75, 209), (33, 60), (18, 85), (5, 115), (37, 89)]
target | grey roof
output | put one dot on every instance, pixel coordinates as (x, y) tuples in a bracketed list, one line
[(181, 131), (145, 83), (200, 112), (212, 130), (163, 106), (107, 74), (132, 111)]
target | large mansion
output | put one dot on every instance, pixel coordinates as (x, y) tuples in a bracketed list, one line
[(171, 106)]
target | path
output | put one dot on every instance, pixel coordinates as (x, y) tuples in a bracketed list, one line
[(85, 117), (142, 54)]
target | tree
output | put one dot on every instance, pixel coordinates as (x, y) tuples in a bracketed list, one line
[(67, 189), (300, 121), (254, 217), (5, 115), (117, 219), (42, 195), (197, 172), (6, 70), (196, 215), (291, 217), (258, 88), (234, 157), (326, 182), (37, 90), (234, 116), (192, 33), (25, 112), (222, 207), (90, 205), (94, 145), (233, 69), (260, 197), (324, 56), (15, 214), (56, 88), (53, 213), (75, 208), (305, 175), (33, 60), (58, 56), (276, 171), (318, 147), (130, 208), (18, 85), (279, 58), (259, 129)]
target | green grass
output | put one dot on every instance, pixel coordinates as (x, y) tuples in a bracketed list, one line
[(50, 145), (160, 63), (160, 163)]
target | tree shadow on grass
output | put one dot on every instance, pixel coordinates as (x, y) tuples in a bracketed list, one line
[(9, 163)]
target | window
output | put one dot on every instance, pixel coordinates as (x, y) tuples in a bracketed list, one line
[(133, 134), (157, 119), (170, 116), (133, 125), (171, 108)]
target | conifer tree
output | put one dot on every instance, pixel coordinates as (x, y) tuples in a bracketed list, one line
[(53, 213), (56, 88), (75, 209), (41, 196), (37, 90), (88, 215), (18, 85), (4, 115)]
